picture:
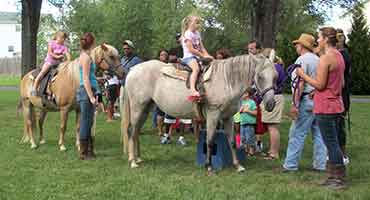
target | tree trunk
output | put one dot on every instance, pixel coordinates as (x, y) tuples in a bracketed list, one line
[(30, 24), (264, 21)]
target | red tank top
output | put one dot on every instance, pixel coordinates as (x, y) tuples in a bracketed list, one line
[(329, 100)]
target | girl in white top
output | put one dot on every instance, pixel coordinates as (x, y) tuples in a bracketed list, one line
[(193, 49)]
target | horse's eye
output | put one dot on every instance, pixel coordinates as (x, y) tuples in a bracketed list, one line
[(111, 57)]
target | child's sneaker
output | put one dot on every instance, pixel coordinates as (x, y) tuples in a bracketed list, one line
[(259, 147), (165, 139), (181, 141)]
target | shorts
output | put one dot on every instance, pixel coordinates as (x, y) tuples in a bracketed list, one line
[(189, 59), (168, 119), (185, 121), (275, 116), (112, 92)]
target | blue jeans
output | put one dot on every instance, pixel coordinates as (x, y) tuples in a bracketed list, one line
[(247, 136), (297, 134), (330, 127), (87, 113)]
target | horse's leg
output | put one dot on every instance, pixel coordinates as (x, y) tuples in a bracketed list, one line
[(26, 118), (31, 122), (138, 118), (63, 127), (212, 119), (137, 139), (41, 121), (229, 131), (78, 118)]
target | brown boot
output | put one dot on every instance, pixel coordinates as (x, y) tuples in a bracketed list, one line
[(330, 177), (91, 148), (83, 150), (339, 178)]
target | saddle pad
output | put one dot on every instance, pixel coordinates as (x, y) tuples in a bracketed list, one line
[(175, 73)]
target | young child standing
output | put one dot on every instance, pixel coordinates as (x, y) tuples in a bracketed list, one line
[(57, 51), (248, 112), (193, 50)]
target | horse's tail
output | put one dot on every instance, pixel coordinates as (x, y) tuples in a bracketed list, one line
[(19, 107), (125, 119)]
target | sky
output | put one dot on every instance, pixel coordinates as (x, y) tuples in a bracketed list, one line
[(335, 14)]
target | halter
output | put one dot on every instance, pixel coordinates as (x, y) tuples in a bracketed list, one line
[(111, 66), (260, 94)]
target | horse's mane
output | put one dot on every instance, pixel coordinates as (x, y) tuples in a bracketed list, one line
[(234, 70)]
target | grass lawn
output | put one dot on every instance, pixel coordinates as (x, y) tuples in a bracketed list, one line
[(169, 171), (9, 80)]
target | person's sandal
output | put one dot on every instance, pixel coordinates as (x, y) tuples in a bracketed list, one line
[(270, 157)]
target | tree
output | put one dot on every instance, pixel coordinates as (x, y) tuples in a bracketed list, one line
[(359, 47), (48, 26), (30, 23)]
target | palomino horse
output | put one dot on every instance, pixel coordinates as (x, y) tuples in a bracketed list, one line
[(64, 87), (229, 79)]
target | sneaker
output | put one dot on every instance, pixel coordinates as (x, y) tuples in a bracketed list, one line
[(165, 139), (162, 138), (345, 160), (181, 141), (259, 147), (116, 115)]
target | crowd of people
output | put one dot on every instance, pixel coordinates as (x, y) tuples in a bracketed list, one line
[(320, 101)]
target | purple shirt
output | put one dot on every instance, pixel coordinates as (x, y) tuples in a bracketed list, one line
[(58, 49), (281, 79)]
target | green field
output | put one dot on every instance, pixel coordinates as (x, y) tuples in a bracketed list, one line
[(169, 171), (9, 80)]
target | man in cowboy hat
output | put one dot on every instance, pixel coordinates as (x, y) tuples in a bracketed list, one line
[(301, 110)]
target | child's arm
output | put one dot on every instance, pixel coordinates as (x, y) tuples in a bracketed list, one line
[(196, 52), (50, 52)]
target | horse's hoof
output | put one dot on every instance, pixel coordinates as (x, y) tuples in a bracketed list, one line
[(33, 146), (240, 169), (62, 148), (139, 160), (42, 141), (133, 165)]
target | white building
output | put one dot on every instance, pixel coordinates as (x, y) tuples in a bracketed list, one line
[(10, 34)]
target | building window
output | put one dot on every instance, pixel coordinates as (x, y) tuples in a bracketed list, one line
[(11, 48), (18, 28)]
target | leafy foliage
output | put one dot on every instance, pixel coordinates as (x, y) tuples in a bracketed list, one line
[(359, 46)]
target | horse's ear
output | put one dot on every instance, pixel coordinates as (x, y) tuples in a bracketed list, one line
[(104, 47)]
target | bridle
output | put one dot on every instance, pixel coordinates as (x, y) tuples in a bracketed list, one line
[(261, 93), (111, 66)]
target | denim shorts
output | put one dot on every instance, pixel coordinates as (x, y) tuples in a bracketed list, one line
[(189, 59)]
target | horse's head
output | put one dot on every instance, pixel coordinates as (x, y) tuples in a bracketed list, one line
[(107, 58), (264, 80)]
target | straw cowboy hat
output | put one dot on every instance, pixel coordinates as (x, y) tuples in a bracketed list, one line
[(307, 40)]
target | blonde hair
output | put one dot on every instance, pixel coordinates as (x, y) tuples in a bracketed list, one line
[(60, 34), (186, 23)]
